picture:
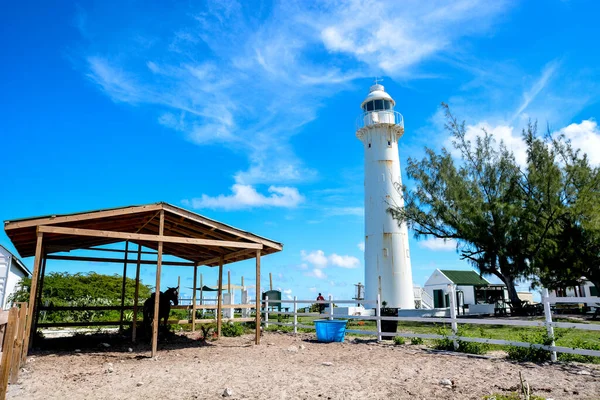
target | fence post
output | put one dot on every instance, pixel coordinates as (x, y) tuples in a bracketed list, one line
[(266, 312), (452, 296), (16, 357), (378, 315), (7, 350), (548, 315), (295, 315), (330, 307)]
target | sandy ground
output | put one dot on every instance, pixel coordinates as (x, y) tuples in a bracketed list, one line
[(288, 367)]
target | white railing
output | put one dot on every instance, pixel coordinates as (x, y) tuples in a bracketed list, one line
[(379, 117), (453, 320)]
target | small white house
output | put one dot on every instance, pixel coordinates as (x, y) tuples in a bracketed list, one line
[(471, 289), (12, 270), (585, 289)]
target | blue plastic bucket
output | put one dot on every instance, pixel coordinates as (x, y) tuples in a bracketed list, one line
[(330, 330)]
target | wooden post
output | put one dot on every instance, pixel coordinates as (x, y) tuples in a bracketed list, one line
[(34, 281), (194, 299), (295, 314), (258, 296), (219, 298), (136, 295), (123, 285), (39, 293), (549, 327), (179, 286), (228, 281), (270, 281), (157, 291), (7, 350), (16, 358), (266, 312), (201, 293)]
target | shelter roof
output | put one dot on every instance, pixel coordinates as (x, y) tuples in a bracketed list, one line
[(187, 235), (466, 278)]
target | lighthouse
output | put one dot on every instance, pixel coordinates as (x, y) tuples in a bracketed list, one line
[(387, 258)]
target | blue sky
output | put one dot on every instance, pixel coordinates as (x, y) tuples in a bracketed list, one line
[(245, 112)]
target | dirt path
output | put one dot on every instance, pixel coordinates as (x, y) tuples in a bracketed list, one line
[(289, 367)]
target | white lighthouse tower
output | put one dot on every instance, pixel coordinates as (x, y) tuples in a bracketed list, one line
[(387, 259)]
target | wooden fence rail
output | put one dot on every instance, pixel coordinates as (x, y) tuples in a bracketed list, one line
[(453, 320), (13, 354)]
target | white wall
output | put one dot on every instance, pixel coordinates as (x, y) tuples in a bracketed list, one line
[(10, 276), (468, 293), (437, 281)]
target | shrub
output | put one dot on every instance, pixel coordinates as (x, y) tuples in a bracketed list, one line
[(463, 346), (416, 340), (581, 344), (531, 353), (231, 329), (399, 340)]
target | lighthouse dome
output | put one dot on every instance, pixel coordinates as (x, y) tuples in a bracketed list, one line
[(377, 99)]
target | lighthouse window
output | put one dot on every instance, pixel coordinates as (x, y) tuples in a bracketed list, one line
[(387, 104), (369, 106), (378, 104)]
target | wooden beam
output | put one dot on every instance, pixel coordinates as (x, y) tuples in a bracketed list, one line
[(7, 350), (136, 295), (270, 281), (32, 293), (157, 290), (228, 281), (160, 238), (40, 290), (220, 299), (118, 261), (228, 257), (123, 286), (81, 217), (258, 298), (194, 299)]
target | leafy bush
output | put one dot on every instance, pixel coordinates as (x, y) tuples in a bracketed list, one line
[(231, 329), (531, 353), (399, 340), (416, 340), (463, 346), (581, 344)]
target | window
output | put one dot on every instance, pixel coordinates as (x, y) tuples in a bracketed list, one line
[(387, 104), (369, 145), (378, 104), (389, 143), (369, 106)]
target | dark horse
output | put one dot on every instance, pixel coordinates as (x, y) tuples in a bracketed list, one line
[(164, 307)]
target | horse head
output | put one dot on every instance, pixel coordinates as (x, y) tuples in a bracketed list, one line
[(172, 294)]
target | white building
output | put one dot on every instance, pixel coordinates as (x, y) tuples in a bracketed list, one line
[(474, 294), (584, 289), (387, 259), (12, 270)]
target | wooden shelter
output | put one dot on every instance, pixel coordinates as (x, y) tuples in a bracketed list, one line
[(167, 229)]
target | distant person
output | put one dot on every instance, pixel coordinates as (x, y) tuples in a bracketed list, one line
[(321, 306)]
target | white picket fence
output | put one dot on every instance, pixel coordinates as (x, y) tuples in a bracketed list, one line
[(548, 323)]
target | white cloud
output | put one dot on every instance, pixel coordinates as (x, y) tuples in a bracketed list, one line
[(361, 246), (586, 137), (246, 196), (538, 86), (316, 273), (344, 261), (220, 75), (505, 133), (436, 244), (336, 211), (315, 257), (312, 289), (320, 260), (287, 291)]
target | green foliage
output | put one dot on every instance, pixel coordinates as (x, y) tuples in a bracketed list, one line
[(581, 344), (463, 346), (531, 353), (399, 340), (77, 290), (416, 341), (232, 329)]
